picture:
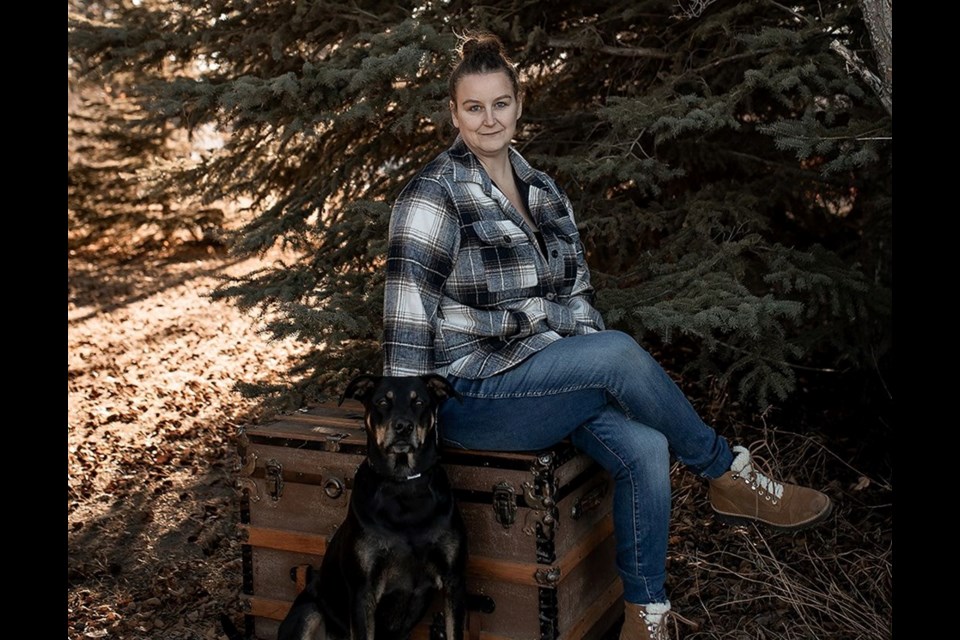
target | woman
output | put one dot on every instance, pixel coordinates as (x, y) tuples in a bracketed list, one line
[(487, 284)]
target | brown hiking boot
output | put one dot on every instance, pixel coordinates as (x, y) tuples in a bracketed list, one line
[(745, 494), (649, 621)]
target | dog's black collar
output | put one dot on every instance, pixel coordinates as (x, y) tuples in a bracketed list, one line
[(366, 462)]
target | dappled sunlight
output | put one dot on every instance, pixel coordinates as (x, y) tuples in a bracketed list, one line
[(152, 411)]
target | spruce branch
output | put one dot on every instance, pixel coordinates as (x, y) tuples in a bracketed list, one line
[(778, 361), (854, 63), (626, 52), (878, 18), (796, 14), (713, 64), (691, 9)]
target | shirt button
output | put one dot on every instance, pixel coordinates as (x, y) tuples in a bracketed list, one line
[(507, 239), (554, 253), (551, 296)]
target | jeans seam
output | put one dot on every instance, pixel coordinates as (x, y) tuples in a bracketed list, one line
[(535, 394), (636, 508), (623, 405), (540, 393)]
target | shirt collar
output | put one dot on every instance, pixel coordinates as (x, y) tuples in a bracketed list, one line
[(467, 167)]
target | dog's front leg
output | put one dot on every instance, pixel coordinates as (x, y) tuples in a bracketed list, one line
[(454, 607), (363, 616)]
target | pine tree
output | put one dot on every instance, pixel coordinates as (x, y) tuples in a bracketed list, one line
[(731, 176)]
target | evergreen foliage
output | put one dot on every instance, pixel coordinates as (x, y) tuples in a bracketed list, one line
[(731, 177)]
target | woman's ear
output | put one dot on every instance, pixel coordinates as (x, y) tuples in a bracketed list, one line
[(453, 115)]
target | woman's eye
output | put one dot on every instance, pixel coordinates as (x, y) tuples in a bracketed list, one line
[(475, 108), (502, 105)]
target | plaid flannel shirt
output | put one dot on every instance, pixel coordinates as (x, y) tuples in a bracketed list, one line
[(468, 289)]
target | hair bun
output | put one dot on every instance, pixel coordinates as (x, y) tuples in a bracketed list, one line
[(482, 53), (481, 46)]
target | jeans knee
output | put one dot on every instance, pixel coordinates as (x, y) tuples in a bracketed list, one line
[(623, 356), (626, 448), (648, 451)]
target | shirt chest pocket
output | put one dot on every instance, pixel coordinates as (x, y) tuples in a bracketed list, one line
[(570, 246), (507, 257)]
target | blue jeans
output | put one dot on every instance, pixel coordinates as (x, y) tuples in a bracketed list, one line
[(617, 405)]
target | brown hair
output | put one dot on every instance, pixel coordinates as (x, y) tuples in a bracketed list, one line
[(482, 53)]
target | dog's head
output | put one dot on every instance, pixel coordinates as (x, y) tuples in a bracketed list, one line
[(401, 417)]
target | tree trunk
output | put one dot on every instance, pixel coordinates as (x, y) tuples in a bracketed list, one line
[(878, 15)]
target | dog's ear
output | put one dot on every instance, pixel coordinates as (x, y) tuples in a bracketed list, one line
[(440, 387), (360, 387)]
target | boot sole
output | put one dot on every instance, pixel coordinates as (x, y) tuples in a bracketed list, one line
[(742, 520)]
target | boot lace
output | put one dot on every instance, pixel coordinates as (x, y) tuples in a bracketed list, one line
[(770, 489), (657, 624)]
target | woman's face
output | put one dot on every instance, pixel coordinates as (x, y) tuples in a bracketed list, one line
[(486, 112)]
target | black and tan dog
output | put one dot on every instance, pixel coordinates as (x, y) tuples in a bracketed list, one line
[(403, 538)]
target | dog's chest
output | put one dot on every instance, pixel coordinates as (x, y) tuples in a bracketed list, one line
[(417, 552), (398, 565)]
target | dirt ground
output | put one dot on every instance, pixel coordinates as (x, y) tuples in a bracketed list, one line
[(152, 512), (152, 413)]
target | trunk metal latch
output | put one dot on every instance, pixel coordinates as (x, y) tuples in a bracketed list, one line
[(505, 503), (274, 473)]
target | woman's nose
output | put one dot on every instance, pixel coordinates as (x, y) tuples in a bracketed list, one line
[(488, 117)]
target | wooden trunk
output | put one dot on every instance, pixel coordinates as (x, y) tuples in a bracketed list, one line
[(540, 531)]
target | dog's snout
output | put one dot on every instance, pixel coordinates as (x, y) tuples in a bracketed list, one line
[(403, 427)]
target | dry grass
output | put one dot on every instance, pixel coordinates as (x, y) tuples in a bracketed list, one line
[(832, 581)]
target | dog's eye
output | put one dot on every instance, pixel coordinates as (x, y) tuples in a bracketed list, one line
[(417, 402), (383, 402)]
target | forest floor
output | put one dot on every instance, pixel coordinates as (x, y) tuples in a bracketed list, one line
[(152, 511)]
